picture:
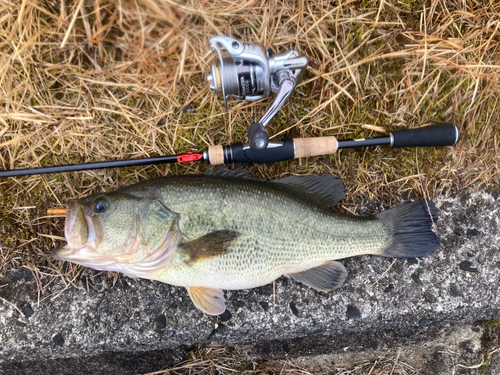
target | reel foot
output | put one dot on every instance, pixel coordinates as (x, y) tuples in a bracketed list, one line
[(258, 137)]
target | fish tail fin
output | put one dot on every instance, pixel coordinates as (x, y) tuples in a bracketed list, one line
[(411, 225)]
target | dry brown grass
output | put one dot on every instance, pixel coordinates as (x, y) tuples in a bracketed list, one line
[(230, 361), (92, 80), (97, 80)]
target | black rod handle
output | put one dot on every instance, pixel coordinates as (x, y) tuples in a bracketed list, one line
[(287, 149), (240, 153), (427, 136), (365, 142)]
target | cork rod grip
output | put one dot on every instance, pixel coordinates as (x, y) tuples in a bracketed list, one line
[(315, 146), (216, 155)]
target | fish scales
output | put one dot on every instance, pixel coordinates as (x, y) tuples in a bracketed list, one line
[(210, 233), (281, 231)]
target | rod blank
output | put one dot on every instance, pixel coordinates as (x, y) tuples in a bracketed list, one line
[(87, 166)]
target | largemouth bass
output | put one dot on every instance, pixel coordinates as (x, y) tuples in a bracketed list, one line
[(214, 232)]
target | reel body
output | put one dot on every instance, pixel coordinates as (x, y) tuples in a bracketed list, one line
[(246, 71)]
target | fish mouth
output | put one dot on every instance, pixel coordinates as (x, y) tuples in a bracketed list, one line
[(86, 256), (62, 253), (87, 246), (81, 235), (79, 229)]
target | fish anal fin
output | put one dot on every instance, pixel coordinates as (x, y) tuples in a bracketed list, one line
[(210, 301), (328, 276), (213, 244)]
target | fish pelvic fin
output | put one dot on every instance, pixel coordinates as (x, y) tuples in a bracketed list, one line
[(410, 227), (330, 275), (210, 301), (210, 245)]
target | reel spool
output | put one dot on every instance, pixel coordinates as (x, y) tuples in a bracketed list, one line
[(245, 71)]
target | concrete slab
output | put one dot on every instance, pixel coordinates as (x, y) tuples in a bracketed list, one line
[(383, 306)]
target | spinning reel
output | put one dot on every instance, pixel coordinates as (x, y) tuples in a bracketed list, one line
[(245, 71)]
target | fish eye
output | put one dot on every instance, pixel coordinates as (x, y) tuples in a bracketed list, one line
[(99, 206)]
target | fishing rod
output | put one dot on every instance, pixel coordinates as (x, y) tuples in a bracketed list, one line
[(247, 72), (428, 136)]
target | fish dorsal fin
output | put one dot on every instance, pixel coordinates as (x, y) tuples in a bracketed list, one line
[(224, 171), (328, 276), (210, 301), (328, 189), (210, 245)]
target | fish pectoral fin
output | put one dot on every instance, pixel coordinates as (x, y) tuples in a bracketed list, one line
[(328, 276), (210, 301), (210, 245)]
